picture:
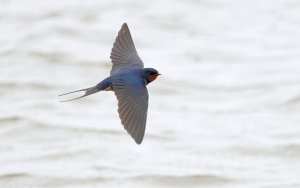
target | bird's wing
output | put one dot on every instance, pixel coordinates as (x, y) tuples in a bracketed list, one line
[(123, 54), (133, 105)]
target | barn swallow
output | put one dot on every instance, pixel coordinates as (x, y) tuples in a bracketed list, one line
[(128, 79)]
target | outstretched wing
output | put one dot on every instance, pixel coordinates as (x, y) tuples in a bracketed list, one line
[(123, 54), (133, 105)]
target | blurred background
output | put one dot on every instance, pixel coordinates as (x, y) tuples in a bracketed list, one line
[(224, 113)]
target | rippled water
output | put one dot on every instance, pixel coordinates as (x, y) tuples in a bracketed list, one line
[(224, 114)]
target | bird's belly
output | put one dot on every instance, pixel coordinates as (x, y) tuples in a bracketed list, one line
[(109, 88)]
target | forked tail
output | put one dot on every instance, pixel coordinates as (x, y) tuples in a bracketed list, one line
[(88, 91)]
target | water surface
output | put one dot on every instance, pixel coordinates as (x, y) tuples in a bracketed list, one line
[(224, 114)]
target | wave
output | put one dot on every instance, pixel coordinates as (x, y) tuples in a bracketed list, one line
[(10, 176), (182, 180)]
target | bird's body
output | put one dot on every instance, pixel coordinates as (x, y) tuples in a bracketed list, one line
[(128, 79)]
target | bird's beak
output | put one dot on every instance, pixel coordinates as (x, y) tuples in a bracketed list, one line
[(158, 74)]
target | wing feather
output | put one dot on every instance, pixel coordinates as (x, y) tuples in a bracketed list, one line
[(133, 106), (124, 55), (131, 118)]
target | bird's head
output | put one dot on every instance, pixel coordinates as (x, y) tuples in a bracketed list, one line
[(150, 74)]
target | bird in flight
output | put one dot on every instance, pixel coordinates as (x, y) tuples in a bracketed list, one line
[(128, 79)]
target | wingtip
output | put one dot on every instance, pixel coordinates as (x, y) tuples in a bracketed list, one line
[(138, 142), (124, 26)]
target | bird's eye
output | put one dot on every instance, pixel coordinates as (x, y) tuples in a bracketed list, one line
[(152, 73)]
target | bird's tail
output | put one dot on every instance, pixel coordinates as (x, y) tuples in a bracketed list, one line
[(88, 91)]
